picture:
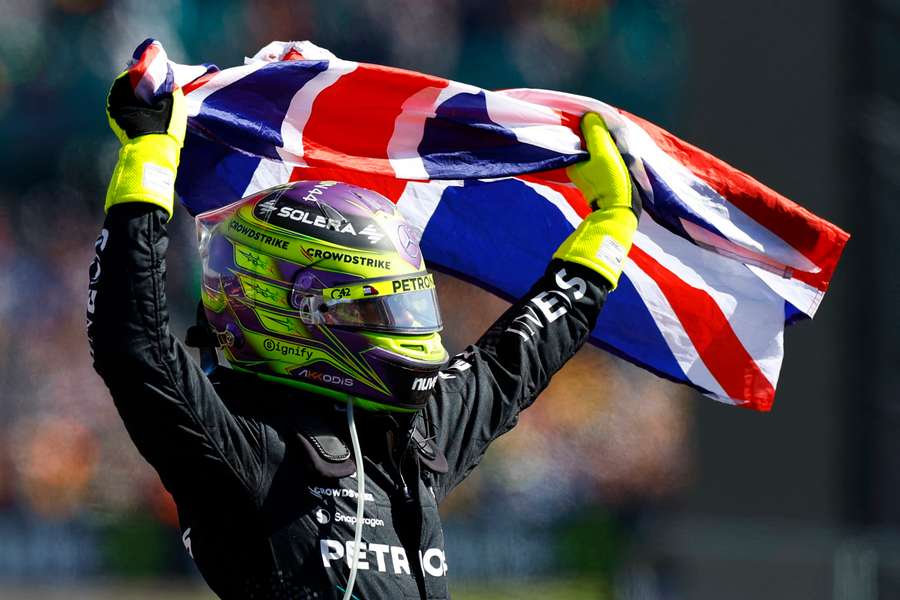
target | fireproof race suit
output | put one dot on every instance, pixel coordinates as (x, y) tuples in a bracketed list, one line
[(262, 474)]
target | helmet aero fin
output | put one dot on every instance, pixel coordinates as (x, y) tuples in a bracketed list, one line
[(321, 285)]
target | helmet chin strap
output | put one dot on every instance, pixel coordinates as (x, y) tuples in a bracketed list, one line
[(202, 337), (360, 499)]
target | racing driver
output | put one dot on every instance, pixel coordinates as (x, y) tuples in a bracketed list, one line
[(312, 465)]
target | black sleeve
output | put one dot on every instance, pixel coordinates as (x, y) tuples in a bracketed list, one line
[(479, 396), (169, 406)]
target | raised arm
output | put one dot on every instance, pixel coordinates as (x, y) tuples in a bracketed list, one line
[(480, 395), (169, 407)]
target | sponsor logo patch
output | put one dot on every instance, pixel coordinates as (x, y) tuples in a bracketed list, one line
[(287, 349), (313, 254), (323, 492), (255, 234), (310, 215), (320, 377), (423, 384), (320, 221), (381, 557), (351, 520), (412, 284), (548, 306)]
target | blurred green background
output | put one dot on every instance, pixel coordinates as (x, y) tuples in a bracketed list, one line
[(671, 496)]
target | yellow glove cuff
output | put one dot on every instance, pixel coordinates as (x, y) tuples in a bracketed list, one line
[(601, 242), (146, 172)]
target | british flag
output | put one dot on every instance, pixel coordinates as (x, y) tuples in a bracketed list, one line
[(720, 263)]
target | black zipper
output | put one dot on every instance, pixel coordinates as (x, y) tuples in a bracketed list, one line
[(412, 504)]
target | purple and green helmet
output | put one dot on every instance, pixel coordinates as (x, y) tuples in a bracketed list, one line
[(321, 285)]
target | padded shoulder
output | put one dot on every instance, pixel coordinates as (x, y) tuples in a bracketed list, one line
[(328, 453), (431, 456)]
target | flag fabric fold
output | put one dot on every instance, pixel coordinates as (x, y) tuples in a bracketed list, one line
[(720, 262)]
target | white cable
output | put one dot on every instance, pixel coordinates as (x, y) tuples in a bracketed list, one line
[(360, 499)]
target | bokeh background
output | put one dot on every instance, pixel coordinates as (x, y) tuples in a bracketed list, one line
[(616, 484)]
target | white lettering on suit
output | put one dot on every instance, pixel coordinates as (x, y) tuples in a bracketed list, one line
[(552, 304)]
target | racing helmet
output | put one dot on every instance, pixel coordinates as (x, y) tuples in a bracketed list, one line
[(321, 285)]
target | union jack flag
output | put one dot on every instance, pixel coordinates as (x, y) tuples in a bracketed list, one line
[(720, 263)]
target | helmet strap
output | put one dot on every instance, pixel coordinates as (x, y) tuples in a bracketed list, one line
[(202, 337)]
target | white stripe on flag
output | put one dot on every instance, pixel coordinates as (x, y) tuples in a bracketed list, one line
[(194, 99), (802, 295), (183, 74), (741, 229), (420, 199), (409, 127), (532, 124), (298, 112), (672, 331), (725, 247), (754, 312), (154, 75), (729, 220), (267, 174)]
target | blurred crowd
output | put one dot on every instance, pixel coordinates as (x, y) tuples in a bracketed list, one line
[(70, 477)]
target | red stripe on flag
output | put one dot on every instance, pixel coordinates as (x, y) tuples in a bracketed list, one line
[(292, 54), (554, 175), (136, 72), (711, 334), (817, 239), (199, 82), (352, 120)]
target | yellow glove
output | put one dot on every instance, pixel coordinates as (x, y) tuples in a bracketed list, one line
[(152, 137), (603, 239)]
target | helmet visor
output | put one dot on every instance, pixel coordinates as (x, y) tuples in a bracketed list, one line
[(403, 304)]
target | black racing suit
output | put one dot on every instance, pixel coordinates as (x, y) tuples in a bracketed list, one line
[(258, 471)]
